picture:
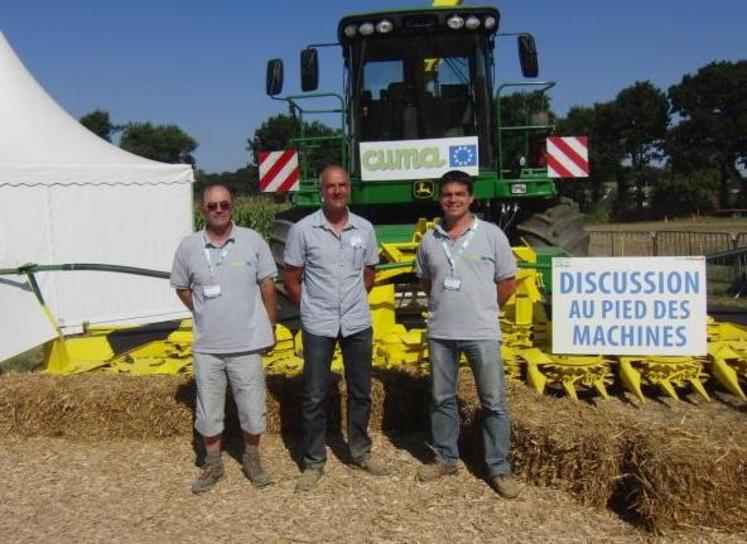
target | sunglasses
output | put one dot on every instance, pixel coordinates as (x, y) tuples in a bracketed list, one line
[(223, 205)]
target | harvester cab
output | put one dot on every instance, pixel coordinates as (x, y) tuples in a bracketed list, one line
[(419, 99)]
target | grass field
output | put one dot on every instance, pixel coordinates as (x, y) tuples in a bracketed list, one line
[(696, 223)]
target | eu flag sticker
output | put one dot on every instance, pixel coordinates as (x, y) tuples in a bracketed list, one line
[(462, 155)]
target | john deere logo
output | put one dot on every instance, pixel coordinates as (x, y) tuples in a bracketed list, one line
[(423, 188)]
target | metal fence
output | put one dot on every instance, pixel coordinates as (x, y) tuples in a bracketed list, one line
[(726, 252), (663, 243)]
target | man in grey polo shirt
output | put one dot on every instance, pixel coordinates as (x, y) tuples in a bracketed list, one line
[(468, 270), (329, 269), (224, 275)]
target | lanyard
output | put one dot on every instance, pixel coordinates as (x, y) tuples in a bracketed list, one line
[(447, 250), (222, 257)]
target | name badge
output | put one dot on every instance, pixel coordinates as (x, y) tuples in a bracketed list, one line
[(452, 283), (211, 291), (356, 241)]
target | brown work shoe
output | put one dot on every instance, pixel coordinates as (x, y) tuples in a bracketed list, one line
[(373, 466), (505, 485), (252, 468), (434, 471), (308, 479), (212, 471)]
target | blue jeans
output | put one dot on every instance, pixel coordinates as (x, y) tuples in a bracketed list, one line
[(484, 357), (356, 357)]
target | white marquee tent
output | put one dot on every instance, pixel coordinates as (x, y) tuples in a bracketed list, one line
[(67, 196)]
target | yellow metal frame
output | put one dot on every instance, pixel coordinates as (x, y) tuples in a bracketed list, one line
[(526, 343)]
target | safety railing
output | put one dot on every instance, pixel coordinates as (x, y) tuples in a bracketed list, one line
[(604, 243)]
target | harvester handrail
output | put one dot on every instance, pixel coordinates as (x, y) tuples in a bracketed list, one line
[(292, 100), (295, 106), (546, 85), (543, 86)]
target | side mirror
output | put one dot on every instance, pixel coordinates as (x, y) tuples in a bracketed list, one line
[(528, 55), (309, 69), (274, 77)]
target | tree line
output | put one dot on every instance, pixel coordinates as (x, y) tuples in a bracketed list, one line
[(165, 143), (673, 153), (652, 153)]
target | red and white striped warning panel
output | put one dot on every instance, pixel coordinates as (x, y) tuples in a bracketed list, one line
[(278, 171), (568, 156)]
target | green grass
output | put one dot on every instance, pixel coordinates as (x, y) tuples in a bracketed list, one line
[(28, 361), (255, 212), (695, 223)]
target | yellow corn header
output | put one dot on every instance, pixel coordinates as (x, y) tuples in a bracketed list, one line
[(526, 344)]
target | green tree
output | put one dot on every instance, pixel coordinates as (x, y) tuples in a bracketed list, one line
[(100, 124), (165, 143), (605, 152), (679, 194), (712, 133), (276, 133), (640, 118), (243, 181)]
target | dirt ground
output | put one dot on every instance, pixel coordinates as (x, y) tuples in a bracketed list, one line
[(59, 490)]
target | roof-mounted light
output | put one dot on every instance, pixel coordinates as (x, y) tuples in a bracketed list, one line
[(455, 22), (489, 22), (366, 29), (472, 22), (385, 26), (350, 31)]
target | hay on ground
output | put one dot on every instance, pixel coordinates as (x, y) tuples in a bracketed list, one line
[(638, 461)]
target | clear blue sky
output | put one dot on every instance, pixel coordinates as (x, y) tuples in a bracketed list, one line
[(200, 64)]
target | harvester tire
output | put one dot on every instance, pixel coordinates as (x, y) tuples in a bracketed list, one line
[(561, 226), (287, 312), (278, 238)]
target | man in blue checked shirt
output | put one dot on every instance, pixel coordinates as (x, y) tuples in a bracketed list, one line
[(329, 269)]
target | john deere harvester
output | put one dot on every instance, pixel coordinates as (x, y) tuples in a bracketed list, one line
[(420, 96)]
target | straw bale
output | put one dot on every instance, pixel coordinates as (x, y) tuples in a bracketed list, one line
[(683, 480), (95, 406), (399, 402), (555, 442), (284, 401)]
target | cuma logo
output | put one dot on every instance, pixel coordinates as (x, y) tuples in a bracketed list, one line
[(402, 158), (418, 159)]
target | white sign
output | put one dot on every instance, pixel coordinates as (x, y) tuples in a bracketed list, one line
[(629, 305), (418, 159)]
